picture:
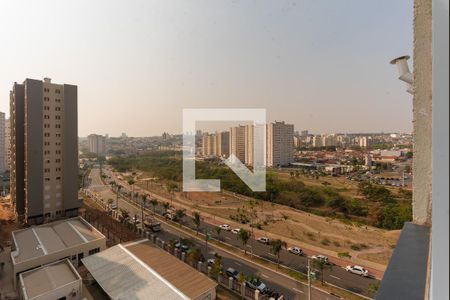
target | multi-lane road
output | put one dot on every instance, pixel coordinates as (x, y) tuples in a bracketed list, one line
[(290, 288)]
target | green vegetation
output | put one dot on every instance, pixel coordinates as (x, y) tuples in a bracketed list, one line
[(379, 206)]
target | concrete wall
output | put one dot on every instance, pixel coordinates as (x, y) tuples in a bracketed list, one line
[(70, 148), (34, 180), (17, 106), (422, 112)]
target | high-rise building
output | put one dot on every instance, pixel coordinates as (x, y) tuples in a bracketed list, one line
[(304, 133), (237, 142), (364, 141), (97, 144), (209, 144), (44, 150), (280, 144), (223, 144), (7, 143), (249, 132), (2, 143), (317, 141)]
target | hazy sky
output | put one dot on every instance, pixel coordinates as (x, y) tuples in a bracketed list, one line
[(322, 65)]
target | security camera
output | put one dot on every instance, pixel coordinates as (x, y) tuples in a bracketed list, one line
[(403, 71)]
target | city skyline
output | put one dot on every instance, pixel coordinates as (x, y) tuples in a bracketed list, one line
[(321, 66)]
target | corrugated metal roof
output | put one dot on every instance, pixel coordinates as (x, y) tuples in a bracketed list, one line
[(123, 276)]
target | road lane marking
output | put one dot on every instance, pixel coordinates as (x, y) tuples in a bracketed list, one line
[(297, 290), (335, 277), (237, 263), (265, 276), (271, 254)]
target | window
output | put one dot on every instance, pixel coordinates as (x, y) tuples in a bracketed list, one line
[(57, 100), (47, 179), (58, 117), (46, 99), (46, 117), (46, 107), (47, 134), (57, 91), (58, 108), (93, 251), (46, 90)]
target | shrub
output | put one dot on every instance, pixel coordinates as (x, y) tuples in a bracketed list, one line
[(355, 247)]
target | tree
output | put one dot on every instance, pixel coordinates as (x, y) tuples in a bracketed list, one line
[(179, 214), (144, 200), (154, 203), (131, 183), (321, 264), (197, 220), (216, 268), (124, 215), (244, 236), (119, 187), (166, 206), (218, 231), (277, 245), (110, 201), (195, 256)]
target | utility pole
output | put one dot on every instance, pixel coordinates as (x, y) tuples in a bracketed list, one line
[(309, 278)]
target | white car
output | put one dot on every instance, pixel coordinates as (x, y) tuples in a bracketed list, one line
[(320, 257), (358, 270), (225, 227), (295, 250), (263, 240), (236, 230)]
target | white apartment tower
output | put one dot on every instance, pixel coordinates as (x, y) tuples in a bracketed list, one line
[(44, 150), (97, 144), (280, 144)]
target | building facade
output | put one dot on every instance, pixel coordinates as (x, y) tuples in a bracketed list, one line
[(97, 144), (7, 144), (3, 146), (237, 142), (44, 150), (280, 144)]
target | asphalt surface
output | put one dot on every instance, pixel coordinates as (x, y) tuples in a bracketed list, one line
[(290, 288)]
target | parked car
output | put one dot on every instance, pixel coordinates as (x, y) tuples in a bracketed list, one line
[(182, 247), (295, 250), (225, 227), (135, 220), (113, 206), (358, 270), (211, 261), (232, 273), (263, 240), (235, 230), (257, 284), (320, 257)]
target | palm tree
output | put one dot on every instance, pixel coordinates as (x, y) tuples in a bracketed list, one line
[(166, 206), (196, 219), (218, 231), (277, 245), (321, 264), (119, 187), (179, 214), (244, 236), (131, 183), (216, 268), (154, 203), (195, 256), (144, 200)]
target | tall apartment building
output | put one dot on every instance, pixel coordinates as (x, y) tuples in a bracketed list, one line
[(223, 144), (7, 143), (44, 150), (317, 141), (280, 144), (237, 142), (209, 144), (249, 132), (2, 143), (97, 144)]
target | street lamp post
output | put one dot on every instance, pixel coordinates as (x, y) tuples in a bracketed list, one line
[(309, 278)]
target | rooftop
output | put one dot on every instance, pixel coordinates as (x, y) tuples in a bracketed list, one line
[(48, 278), (49, 238), (135, 270)]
